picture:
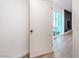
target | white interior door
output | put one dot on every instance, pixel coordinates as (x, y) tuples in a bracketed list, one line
[(41, 27)]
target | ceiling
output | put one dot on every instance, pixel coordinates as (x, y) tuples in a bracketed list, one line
[(66, 4)]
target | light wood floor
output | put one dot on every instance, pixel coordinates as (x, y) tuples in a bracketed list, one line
[(62, 47)]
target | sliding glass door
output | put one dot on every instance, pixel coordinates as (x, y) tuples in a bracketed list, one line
[(57, 23)]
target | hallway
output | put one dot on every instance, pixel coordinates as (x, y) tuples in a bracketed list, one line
[(26, 28), (62, 47)]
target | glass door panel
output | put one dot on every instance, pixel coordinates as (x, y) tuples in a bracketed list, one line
[(57, 23)]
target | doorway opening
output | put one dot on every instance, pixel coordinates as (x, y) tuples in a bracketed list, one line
[(62, 32), (58, 21)]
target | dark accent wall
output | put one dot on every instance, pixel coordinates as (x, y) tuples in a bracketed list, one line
[(67, 20)]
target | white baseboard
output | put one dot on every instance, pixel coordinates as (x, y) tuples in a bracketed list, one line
[(21, 54), (67, 32), (46, 53), (62, 34), (57, 36)]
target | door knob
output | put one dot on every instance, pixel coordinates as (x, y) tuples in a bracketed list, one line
[(31, 31)]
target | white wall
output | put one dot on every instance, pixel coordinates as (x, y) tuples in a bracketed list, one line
[(65, 4), (75, 23), (41, 23), (13, 28)]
